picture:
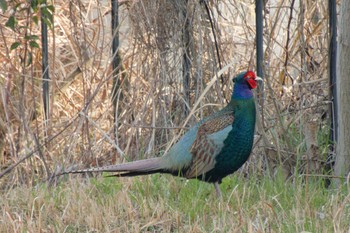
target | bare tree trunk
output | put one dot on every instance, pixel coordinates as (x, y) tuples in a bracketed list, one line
[(342, 163)]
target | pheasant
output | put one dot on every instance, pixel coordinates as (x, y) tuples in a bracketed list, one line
[(212, 149)]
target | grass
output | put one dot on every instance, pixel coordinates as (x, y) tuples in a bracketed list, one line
[(161, 203)]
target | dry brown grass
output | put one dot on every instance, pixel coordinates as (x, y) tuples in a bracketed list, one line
[(151, 111), (166, 204)]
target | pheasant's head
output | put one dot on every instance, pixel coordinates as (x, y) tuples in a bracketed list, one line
[(243, 84)]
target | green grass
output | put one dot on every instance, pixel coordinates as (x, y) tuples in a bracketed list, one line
[(162, 203)]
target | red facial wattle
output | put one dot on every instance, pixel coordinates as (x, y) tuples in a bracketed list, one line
[(250, 78), (252, 83)]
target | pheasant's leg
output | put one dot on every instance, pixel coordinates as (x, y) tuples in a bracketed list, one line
[(217, 188)]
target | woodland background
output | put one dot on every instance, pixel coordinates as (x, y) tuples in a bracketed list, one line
[(154, 97)]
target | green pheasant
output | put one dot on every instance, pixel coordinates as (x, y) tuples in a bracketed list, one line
[(212, 149)]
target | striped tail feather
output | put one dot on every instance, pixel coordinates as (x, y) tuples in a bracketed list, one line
[(141, 167)]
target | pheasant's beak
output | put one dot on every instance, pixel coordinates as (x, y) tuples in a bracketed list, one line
[(259, 78)]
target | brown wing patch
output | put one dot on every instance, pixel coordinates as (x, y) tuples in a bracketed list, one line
[(203, 149)]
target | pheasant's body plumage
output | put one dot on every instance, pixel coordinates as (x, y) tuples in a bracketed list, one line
[(213, 148)]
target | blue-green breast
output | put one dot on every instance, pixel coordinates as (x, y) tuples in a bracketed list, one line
[(238, 144)]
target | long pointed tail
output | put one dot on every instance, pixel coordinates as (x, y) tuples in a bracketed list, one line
[(141, 167)]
